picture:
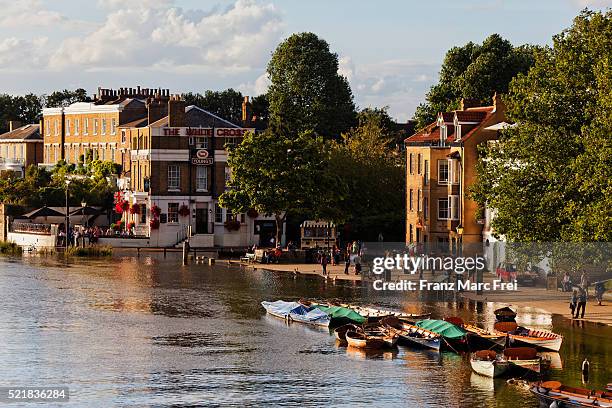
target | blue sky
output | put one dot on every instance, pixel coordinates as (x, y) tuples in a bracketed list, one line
[(390, 50)]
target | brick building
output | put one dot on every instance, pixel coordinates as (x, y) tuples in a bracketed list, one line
[(20, 147), (441, 167)]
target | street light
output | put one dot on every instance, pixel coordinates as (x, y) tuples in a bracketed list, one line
[(67, 215)]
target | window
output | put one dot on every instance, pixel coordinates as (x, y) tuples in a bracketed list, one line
[(442, 171), (218, 214), (410, 164), (426, 172), (230, 142), (86, 126), (458, 132), (95, 127), (76, 126), (201, 178), (425, 207), (443, 135), (174, 175), (76, 154), (103, 129), (411, 236), (113, 125), (410, 200), (173, 212), (419, 204), (419, 163), (47, 128), (443, 208), (56, 128), (143, 213), (201, 142), (123, 136), (453, 203), (453, 168)]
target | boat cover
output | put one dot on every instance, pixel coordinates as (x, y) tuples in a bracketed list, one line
[(295, 310), (339, 312), (444, 329)]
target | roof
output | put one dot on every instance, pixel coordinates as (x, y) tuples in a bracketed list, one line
[(198, 117), (27, 132), (142, 122), (470, 120), (61, 211)]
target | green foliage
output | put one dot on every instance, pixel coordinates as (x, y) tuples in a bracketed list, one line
[(474, 72), (276, 174), (226, 104), (96, 250), (306, 91), (549, 178), (261, 107), (10, 248), (66, 97), (373, 174)]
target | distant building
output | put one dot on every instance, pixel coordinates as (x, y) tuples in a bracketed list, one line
[(441, 167), (20, 147)]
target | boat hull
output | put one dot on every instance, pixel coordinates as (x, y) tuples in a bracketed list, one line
[(491, 369), (548, 397), (364, 342), (533, 365), (553, 344), (322, 321)]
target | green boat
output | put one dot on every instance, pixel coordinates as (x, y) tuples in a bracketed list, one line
[(340, 314), (454, 335)]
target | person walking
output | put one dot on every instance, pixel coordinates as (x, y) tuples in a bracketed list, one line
[(600, 289), (324, 263), (347, 262), (582, 301), (573, 301)]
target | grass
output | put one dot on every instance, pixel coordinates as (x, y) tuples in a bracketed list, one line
[(89, 251), (10, 248)]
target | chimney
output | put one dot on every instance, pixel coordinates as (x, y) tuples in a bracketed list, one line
[(176, 111), (155, 110), (498, 103), (14, 124), (246, 111)]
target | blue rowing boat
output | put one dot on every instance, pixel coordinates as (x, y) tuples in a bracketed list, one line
[(297, 312)]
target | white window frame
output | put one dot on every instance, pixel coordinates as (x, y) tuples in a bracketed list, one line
[(440, 216), (218, 214), (426, 172), (453, 171), (95, 126), (202, 178), (86, 126), (56, 128), (426, 207), (410, 200), (173, 220), (419, 198), (454, 207), (113, 127), (103, 126), (410, 163), (441, 163), (174, 174)]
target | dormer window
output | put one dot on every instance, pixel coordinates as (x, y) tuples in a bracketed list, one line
[(443, 135), (457, 132)]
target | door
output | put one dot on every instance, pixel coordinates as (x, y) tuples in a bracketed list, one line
[(201, 221)]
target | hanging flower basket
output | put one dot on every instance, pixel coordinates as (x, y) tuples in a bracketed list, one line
[(183, 211), (118, 208), (252, 213), (154, 224), (131, 225), (155, 211), (232, 225), (117, 226), (135, 209)]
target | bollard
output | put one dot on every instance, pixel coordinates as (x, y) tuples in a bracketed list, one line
[(164, 253), (185, 252), (211, 261)]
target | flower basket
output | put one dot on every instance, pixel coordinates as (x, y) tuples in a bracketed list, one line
[(154, 224), (252, 213), (183, 211), (134, 209), (131, 225), (155, 211), (232, 225), (125, 205)]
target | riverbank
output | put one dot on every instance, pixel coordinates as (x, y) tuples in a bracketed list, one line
[(334, 271)]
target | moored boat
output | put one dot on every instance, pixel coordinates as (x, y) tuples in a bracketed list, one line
[(488, 363), (414, 335), (482, 338), (339, 314), (519, 335), (505, 314), (363, 340), (373, 313), (340, 331), (553, 392), (454, 336), (525, 358), (296, 312)]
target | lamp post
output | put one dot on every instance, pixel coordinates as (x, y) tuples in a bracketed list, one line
[(67, 216), (83, 205)]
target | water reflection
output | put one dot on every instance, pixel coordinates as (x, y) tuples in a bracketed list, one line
[(149, 332)]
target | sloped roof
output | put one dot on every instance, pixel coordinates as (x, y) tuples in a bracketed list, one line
[(26, 132), (198, 117), (472, 118)]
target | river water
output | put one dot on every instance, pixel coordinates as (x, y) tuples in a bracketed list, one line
[(149, 332)]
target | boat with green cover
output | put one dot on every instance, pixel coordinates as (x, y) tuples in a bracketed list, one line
[(454, 335), (340, 314)]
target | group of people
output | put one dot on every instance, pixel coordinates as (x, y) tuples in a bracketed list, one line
[(79, 235), (580, 294), (351, 254)]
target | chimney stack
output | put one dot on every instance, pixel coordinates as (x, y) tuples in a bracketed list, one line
[(176, 111), (469, 103), (246, 111), (498, 102), (14, 124)]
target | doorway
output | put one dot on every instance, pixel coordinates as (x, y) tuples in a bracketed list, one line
[(201, 221)]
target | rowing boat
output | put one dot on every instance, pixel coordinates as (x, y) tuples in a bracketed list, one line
[(375, 313), (541, 339), (362, 340), (553, 392), (489, 363), (505, 314), (296, 312), (479, 337), (340, 331), (525, 358), (412, 334)]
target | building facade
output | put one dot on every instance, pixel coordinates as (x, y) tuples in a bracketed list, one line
[(441, 167), (20, 147)]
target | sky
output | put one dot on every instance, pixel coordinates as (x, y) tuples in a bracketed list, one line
[(390, 50)]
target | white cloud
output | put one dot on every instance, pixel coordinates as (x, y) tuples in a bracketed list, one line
[(594, 3), (260, 86), (346, 67), (17, 54), (32, 14), (154, 34)]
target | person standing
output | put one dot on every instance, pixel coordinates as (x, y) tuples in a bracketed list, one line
[(324, 263), (582, 301), (347, 262), (600, 289), (584, 282), (573, 301)]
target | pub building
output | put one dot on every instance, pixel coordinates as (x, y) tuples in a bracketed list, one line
[(178, 169)]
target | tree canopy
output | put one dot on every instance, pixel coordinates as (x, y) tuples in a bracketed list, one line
[(476, 72), (306, 91), (549, 178)]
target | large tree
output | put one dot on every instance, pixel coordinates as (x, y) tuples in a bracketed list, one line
[(66, 97), (26, 109), (226, 104), (474, 71), (306, 91), (277, 175), (549, 178)]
